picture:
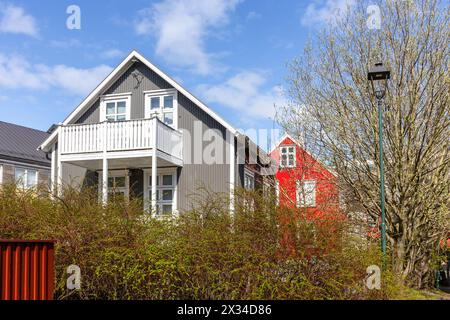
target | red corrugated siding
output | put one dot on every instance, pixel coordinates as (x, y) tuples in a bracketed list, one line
[(26, 270)]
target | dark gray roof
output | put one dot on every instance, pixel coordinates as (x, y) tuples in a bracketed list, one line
[(21, 143)]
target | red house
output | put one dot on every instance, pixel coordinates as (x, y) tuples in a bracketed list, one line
[(304, 184)]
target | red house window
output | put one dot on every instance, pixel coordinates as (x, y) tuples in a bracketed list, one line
[(306, 194), (287, 156)]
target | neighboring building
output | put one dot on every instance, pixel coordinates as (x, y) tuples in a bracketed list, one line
[(303, 182), (141, 134), (20, 161)]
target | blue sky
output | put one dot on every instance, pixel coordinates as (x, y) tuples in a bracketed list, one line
[(231, 54)]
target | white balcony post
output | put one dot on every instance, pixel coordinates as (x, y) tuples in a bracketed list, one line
[(53, 171), (105, 164), (59, 179), (154, 166), (105, 181)]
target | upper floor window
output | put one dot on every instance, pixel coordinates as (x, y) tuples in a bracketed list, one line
[(287, 156), (163, 104), (115, 107), (306, 193), (26, 178), (116, 111)]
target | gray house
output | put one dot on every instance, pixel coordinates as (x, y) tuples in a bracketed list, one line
[(20, 161), (141, 134)]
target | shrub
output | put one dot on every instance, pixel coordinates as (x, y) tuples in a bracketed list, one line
[(202, 254)]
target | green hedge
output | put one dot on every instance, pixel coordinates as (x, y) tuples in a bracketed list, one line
[(202, 254)]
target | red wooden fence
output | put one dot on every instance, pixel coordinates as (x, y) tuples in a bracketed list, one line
[(26, 269)]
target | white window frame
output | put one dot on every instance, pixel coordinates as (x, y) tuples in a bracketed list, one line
[(294, 153), (251, 174), (147, 189), (24, 183), (301, 195), (115, 174), (115, 98), (161, 94)]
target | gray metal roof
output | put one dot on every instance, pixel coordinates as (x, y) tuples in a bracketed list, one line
[(21, 143)]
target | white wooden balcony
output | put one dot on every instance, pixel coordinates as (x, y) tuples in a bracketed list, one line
[(119, 139)]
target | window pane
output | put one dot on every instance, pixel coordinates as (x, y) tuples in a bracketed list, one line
[(283, 150), (291, 149), (167, 195), (121, 118), (110, 108), (168, 102), (20, 174), (167, 209), (154, 103), (120, 182), (121, 107), (167, 180), (111, 118), (150, 181), (168, 118), (31, 178), (110, 182)]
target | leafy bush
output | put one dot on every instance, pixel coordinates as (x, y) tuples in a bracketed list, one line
[(202, 254)]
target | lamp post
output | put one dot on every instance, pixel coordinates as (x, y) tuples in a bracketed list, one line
[(378, 76)]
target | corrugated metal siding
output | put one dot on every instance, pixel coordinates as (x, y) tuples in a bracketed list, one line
[(26, 270), (215, 177)]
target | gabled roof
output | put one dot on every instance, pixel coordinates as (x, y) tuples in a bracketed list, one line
[(116, 73), (300, 145), (20, 143), (286, 135)]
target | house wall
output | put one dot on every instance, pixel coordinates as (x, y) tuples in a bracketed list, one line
[(216, 177), (7, 172), (307, 168)]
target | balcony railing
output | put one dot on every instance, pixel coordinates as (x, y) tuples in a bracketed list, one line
[(121, 136)]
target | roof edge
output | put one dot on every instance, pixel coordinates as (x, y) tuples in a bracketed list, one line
[(115, 72)]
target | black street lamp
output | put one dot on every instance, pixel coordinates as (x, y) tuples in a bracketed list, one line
[(378, 76)]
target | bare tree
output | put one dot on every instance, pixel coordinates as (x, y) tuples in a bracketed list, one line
[(331, 101)]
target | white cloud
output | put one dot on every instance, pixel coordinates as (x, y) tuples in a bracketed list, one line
[(13, 19), (247, 93), (181, 27), (326, 11), (18, 73)]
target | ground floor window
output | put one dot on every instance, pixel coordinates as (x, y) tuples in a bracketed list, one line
[(306, 193), (118, 184), (165, 193), (117, 188), (26, 178)]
